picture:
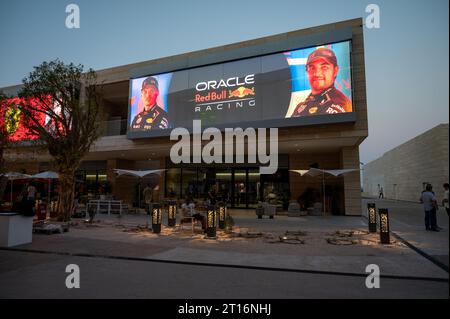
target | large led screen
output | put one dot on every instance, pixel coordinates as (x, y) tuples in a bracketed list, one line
[(287, 86), (13, 120)]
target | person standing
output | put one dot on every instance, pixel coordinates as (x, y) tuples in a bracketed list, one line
[(31, 193), (445, 200), (429, 202), (212, 194), (29, 203), (380, 192), (147, 192), (155, 194)]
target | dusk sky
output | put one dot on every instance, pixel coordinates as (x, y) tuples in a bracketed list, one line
[(407, 59)]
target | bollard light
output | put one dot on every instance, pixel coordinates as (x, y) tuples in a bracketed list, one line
[(372, 216), (222, 208), (156, 218), (384, 226), (211, 222), (171, 213)]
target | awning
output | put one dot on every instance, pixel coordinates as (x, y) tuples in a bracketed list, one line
[(334, 172), (15, 175), (46, 175), (139, 174)]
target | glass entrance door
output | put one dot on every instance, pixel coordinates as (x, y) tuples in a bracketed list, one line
[(223, 184), (253, 187), (240, 188)]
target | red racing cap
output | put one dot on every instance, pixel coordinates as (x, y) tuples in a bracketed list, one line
[(322, 53)]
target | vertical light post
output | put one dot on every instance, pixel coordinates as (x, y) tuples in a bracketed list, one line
[(171, 213), (222, 207), (384, 226), (372, 216), (156, 218), (211, 222)]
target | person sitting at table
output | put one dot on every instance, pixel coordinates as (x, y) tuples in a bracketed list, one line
[(188, 210)]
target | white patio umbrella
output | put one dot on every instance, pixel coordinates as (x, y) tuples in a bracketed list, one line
[(13, 176), (47, 175), (140, 175), (316, 172)]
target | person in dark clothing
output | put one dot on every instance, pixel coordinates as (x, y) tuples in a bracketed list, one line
[(429, 202)]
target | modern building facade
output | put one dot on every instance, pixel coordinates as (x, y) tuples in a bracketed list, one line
[(404, 171), (327, 141)]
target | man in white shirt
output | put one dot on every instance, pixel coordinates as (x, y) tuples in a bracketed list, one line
[(429, 204), (188, 208)]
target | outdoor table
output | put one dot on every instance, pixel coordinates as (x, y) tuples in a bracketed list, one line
[(15, 229)]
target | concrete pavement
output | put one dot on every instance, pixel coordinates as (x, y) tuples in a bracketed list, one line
[(115, 253), (407, 221), (31, 275)]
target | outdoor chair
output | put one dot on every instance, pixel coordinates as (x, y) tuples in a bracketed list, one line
[(190, 221), (294, 209), (187, 219), (316, 209)]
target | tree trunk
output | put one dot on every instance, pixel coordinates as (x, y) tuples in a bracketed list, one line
[(66, 195), (3, 183)]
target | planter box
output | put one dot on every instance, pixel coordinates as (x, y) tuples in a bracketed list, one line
[(15, 229)]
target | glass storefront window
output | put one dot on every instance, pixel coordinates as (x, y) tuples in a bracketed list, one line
[(173, 180), (206, 178), (253, 188), (223, 184), (240, 188), (189, 183)]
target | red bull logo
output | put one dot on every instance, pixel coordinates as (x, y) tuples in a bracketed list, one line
[(241, 92)]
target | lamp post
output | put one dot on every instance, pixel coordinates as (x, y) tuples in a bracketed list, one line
[(222, 207), (384, 226), (211, 222), (372, 216), (172, 213), (156, 218)]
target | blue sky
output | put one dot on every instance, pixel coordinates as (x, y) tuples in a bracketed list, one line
[(407, 59)]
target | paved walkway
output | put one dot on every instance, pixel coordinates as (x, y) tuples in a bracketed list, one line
[(125, 242), (407, 220), (120, 237)]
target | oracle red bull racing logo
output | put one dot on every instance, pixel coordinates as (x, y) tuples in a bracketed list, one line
[(230, 93)]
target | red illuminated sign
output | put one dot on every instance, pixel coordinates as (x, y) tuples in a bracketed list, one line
[(13, 120)]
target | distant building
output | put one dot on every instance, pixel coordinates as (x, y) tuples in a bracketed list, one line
[(404, 171)]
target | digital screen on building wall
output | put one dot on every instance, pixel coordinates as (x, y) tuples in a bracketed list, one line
[(13, 120), (287, 86)]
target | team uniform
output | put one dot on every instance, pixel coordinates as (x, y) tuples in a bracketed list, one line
[(155, 118), (330, 101)]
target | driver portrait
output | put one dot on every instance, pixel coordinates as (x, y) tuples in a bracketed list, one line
[(322, 69), (152, 116)]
